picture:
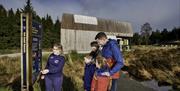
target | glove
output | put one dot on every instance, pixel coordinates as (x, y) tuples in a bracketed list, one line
[(45, 71), (105, 74)]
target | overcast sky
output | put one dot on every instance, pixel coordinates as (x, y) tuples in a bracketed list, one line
[(159, 13)]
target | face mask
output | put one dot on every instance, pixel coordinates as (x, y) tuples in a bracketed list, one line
[(100, 48), (56, 51), (93, 48)]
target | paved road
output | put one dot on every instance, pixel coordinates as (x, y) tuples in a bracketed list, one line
[(126, 84)]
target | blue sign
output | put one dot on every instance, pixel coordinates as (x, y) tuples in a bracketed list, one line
[(24, 59), (36, 49)]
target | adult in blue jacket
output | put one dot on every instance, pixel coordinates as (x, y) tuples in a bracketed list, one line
[(110, 50), (53, 72)]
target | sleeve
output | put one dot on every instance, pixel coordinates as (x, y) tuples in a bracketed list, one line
[(59, 66), (117, 55)]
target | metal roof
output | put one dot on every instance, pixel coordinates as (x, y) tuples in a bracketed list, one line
[(89, 23)]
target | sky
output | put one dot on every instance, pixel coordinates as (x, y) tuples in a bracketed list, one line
[(159, 13)]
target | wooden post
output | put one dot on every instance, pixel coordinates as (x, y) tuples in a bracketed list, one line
[(29, 52), (23, 51), (26, 52)]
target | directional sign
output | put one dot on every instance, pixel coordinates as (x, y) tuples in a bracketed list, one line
[(36, 49)]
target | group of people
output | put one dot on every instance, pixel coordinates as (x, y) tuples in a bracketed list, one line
[(102, 66)]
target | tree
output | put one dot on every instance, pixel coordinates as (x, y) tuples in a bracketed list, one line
[(3, 12), (146, 32), (56, 29), (175, 34), (165, 35), (29, 9), (136, 40), (10, 13), (10, 28), (155, 37), (48, 35)]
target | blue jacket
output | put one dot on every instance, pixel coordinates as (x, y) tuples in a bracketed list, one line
[(112, 50), (55, 65), (88, 75)]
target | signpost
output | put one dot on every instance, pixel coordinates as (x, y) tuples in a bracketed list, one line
[(31, 53), (36, 49)]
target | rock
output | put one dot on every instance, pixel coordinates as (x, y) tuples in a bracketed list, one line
[(144, 74)]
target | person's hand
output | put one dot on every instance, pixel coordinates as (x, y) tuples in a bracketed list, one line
[(42, 77), (45, 71), (87, 60), (97, 65), (105, 74)]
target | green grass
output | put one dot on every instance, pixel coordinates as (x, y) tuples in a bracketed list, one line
[(5, 89)]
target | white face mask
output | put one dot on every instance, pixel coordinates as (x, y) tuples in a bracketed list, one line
[(93, 48), (56, 51), (100, 48)]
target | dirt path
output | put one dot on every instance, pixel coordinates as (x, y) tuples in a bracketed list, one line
[(18, 54)]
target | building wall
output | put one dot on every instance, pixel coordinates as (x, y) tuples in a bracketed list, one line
[(67, 39), (77, 40), (80, 40)]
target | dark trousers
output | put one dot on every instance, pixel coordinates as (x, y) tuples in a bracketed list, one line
[(114, 85), (53, 83), (88, 76)]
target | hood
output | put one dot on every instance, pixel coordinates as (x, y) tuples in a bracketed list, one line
[(112, 41)]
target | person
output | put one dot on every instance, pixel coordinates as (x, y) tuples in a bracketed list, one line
[(53, 72), (101, 82), (90, 65), (36, 63), (111, 52)]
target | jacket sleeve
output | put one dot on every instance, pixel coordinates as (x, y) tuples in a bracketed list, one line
[(117, 55), (58, 67)]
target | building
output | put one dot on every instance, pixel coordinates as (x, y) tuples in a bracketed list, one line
[(77, 31)]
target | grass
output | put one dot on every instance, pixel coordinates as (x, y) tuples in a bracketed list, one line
[(10, 72), (9, 69), (9, 51), (159, 63), (5, 89)]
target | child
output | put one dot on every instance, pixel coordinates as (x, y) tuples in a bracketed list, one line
[(53, 72), (90, 65), (101, 82)]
